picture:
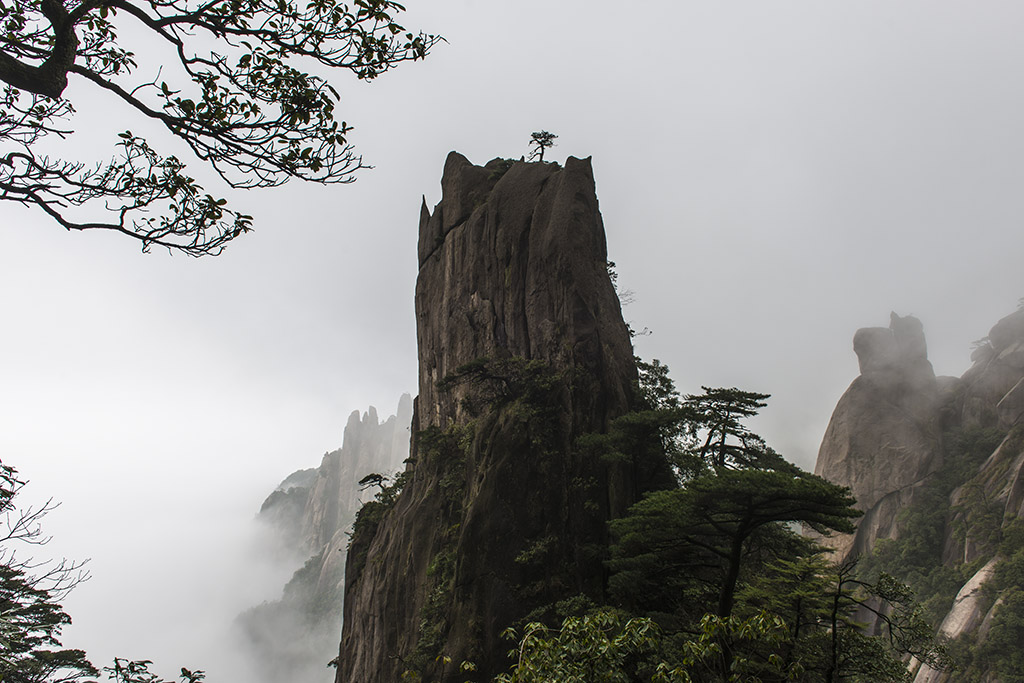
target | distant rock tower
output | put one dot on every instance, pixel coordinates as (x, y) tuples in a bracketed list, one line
[(892, 430), (883, 440)]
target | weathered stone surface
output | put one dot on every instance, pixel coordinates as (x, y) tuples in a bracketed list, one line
[(965, 616), (513, 265), (998, 367), (884, 441), (884, 436), (1010, 409)]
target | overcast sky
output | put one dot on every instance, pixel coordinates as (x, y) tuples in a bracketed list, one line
[(772, 175)]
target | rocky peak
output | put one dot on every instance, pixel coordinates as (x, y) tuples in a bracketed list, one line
[(895, 357), (367, 446), (883, 440), (514, 264), (513, 281)]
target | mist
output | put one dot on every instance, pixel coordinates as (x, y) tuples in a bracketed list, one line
[(771, 176)]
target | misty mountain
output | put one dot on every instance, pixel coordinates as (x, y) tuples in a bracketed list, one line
[(539, 453), (937, 466), (311, 513)]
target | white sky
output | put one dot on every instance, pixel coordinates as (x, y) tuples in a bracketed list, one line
[(772, 175)]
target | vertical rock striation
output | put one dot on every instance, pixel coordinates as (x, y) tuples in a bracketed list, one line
[(369, 446), (500, 514)]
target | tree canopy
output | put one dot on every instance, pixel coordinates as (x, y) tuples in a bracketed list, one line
[(540, 141), (231, 84), (706, 528), (31, 617), (716, 563)]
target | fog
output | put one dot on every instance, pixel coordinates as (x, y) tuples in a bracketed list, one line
[(772, 176)]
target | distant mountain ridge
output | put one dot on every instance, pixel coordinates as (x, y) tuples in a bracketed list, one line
[(311, 513)]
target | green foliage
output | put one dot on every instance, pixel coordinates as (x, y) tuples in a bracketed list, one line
[(720, 652), (527, 391), (31, 616), (999, 654), (234, 95), (595, 648), (717, 437), (128, 671), (433, 624), (700, 535), (33, 620), (916, 557), (697, 433), (369, 517), (607, 646), (656, 389), (540, 141), (719, 552), (820, 604), (446, 450), (648, 438), (497, 382), (30, 596), (1001, 649)]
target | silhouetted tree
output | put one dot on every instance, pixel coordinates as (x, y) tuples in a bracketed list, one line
[(31, 617), (540, 141), (234, 94)]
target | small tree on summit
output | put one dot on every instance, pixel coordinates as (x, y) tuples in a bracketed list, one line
[(540, 141)]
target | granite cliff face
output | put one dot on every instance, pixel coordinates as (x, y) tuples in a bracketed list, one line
[(499, 513), (897, 438), (311, 513)]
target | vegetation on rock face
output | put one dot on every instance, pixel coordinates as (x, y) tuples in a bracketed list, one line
[(709, 581), (955, 507), (368, 518), (999, 653), (916, 556), (448, 448)]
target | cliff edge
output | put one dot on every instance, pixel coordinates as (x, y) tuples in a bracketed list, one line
[(937, 464), (522, 348)]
